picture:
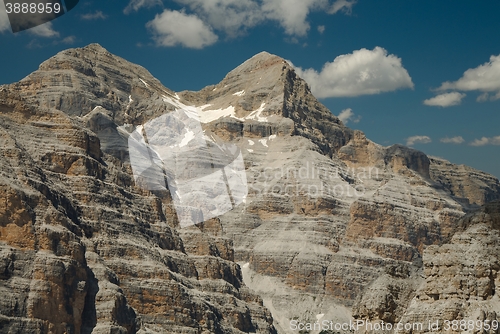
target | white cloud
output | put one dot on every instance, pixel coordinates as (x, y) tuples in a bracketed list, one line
[(4, 19), (44, 30), (347, 115), (135, 5), (173, 28), (486, 141), (342, 5), (97, 15), (34, 44), (68, 40), (452, 140), (484, 78), (483, 97), (445, 100), (362, 72), (410, 141), (234, 17), (231, 16), (486, 96), (292, 14)]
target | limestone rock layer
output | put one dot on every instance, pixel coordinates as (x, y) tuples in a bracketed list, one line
[(334, 225)]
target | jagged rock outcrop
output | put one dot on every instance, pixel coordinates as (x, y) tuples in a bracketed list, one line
[(331, 220), (458, 282), (387, 297), (83, 250), (462, 277), (464, 183)]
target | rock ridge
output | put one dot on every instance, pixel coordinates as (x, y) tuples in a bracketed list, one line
[(342, 225)]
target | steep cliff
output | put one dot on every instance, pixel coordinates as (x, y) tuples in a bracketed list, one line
[(83, 250), (333, 223)]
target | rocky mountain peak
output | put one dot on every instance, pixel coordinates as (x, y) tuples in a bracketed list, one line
[(262, 61), (330, 219), (76, 81), (265, 93)]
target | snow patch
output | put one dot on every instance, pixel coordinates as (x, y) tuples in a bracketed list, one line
[(246, 265), (199, 113), (171, 101), (240, 93), (191, 111), (250, 150), (319, 316), (263, 142), (207, 116), (204, 106), (144, 82), (187, 138), (255, 115), (130, 99), (251, 142), (271, 137)]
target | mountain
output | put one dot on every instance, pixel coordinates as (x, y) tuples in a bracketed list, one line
[(334, 226)]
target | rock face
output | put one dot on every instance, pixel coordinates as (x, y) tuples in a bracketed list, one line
[(83, 250), (462, 276), (333, 225)]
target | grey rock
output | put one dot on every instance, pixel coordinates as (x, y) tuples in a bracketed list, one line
[(332, 220)]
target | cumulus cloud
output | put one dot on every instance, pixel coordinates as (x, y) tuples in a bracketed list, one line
[(292, 14), (97, 15), (347, 115), (484, 78), (234, 17), (362, 72), (4, 19), (172, 28), (135, 5), (445, 100), (486, 141), (231, 16), (410, 141), (452, 140)]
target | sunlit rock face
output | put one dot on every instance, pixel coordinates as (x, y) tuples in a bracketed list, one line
[(329, 224), (83, 249)]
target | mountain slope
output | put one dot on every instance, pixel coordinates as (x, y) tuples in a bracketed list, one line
[(329, 213), (84, 250)]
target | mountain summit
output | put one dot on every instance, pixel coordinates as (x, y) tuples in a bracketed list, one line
[(331, 225)]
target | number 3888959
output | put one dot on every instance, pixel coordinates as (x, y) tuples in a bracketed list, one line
[(32, 8)]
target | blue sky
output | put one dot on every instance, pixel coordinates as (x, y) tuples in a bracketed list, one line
[(420, 73)]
